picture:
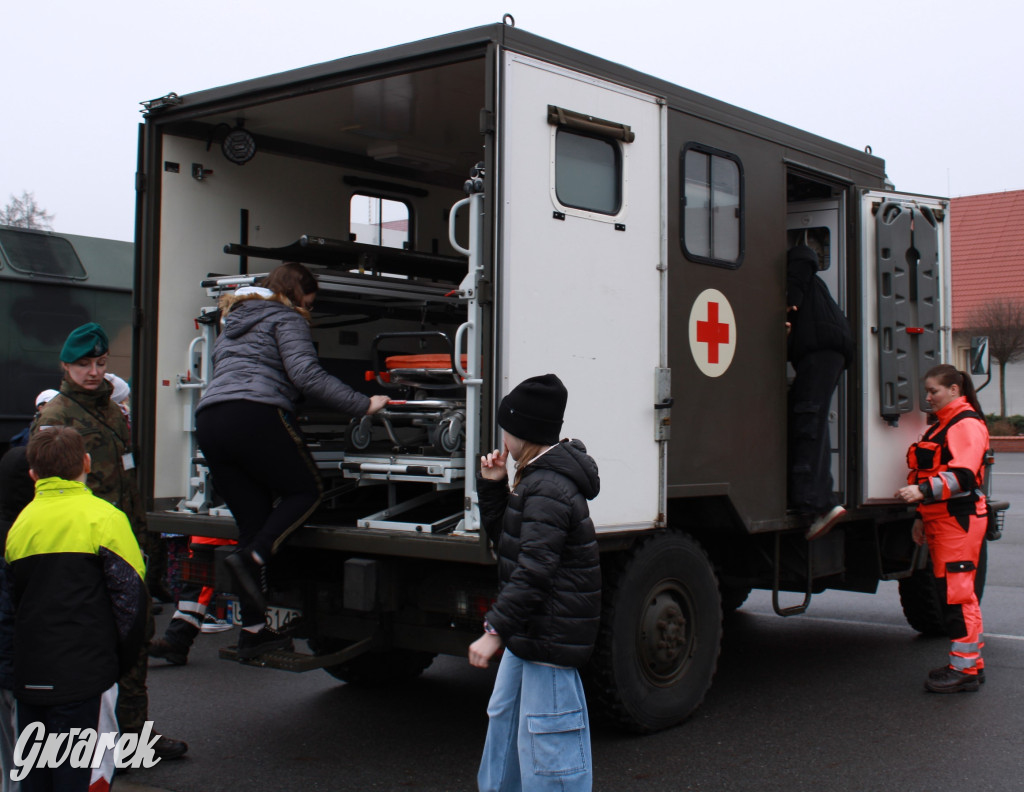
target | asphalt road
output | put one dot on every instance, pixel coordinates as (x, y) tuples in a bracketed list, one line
[(830, 700)]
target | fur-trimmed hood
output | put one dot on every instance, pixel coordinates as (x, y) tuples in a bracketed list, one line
[(229, 302)]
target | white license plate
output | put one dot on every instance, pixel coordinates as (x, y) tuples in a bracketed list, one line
[(278, 617)]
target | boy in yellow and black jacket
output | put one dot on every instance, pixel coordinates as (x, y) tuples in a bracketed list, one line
[(79, 598)]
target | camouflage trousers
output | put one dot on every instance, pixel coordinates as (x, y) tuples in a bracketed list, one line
[(133, 696)]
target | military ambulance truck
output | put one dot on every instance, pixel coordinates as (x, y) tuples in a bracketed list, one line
[(489, 205), (50, 283)]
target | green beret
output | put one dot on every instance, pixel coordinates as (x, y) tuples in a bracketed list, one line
[(89, 340)]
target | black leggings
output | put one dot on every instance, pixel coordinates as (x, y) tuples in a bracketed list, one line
[(810, 447), (256, 454)]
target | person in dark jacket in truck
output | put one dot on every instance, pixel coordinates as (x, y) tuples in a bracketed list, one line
[(263, 362), (820, 347), (548, 609)]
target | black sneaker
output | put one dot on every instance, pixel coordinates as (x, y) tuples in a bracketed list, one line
[(245, 574), (949, 680), (939, 673), (252, 645), (162, 648)]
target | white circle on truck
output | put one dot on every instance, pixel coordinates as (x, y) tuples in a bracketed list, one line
[(712, 332)]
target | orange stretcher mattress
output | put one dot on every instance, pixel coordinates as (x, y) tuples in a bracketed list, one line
[(438, 361)]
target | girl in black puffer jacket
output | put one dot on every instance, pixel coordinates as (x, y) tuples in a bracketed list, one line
[(549, 600)]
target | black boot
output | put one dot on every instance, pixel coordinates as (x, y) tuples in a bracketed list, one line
[(949, 680), (164, 649), (252, 645), (245, 575), (166, 748), (939, 673)]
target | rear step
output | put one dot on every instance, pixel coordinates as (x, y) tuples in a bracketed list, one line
[(303, 661)]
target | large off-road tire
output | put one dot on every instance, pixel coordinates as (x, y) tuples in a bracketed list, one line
[(920, 600), (733, 597), (377, 668), (661, 633)]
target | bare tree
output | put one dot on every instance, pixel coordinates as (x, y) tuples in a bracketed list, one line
[(1002, 320), (24, 212)]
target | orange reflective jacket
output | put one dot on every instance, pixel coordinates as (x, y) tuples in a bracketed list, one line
[(949, 461)]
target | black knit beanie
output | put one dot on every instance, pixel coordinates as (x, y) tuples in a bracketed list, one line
[(534, 408)]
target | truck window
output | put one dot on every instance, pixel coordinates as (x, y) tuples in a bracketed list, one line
[(588, 172), (379, 221), (712, 206), (40, 254)]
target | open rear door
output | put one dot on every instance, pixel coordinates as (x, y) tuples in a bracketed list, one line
[(906, 327), (581, 269)]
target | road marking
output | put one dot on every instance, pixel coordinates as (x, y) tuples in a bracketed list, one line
[(900, 627), (986, 636)]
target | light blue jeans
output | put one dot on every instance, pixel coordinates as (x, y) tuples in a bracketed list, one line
[(538, 737)]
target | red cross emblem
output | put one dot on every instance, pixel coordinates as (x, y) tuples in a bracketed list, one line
[(712, 332)]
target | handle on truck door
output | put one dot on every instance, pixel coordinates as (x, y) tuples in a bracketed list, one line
[(451, 225), (460, 335)]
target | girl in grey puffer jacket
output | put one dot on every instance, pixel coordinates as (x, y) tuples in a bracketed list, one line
[(263, 361)]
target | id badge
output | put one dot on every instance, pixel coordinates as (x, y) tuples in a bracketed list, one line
[(128, 461)]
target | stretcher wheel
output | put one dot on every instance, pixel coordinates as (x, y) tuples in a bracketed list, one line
[(360, 432), (448, 434)]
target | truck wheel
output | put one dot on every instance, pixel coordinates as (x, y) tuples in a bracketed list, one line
[(920, 600), (378, 668), (661, 632), (733, 597)]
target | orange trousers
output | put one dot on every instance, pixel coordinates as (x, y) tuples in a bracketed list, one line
[(954, 544)]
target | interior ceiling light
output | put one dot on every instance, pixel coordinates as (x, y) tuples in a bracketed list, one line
[(239, 146)]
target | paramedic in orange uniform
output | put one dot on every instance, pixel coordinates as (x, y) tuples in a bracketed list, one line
[(946, 472)]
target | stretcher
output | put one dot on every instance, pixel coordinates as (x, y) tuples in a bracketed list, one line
[(439, 422)]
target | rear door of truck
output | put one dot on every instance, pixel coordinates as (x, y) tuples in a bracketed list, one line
[(906, 299), (581, 252)]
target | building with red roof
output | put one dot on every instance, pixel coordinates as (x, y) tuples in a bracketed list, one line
[(987, 261)]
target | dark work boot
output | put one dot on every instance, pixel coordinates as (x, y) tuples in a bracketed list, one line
[(164, 649), (166, 748), (939, 673), (949, 680), (245, 578), (163, 747)]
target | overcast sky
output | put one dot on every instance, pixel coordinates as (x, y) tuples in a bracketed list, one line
[(934, 87)]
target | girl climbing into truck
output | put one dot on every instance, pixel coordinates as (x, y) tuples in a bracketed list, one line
[(263, 362), (549, 602)]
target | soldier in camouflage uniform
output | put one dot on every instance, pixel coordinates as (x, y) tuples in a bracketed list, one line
[(84, 404)]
